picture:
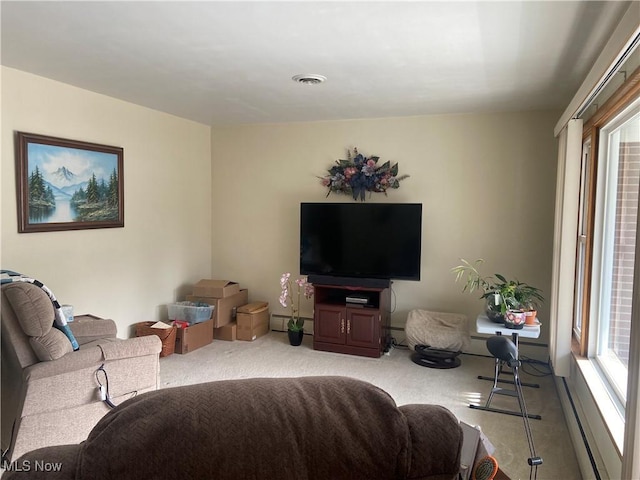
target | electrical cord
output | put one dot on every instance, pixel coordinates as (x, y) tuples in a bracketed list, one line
[(395, 301), (395, 343), (531, 367), (103, 388), (534, 372)]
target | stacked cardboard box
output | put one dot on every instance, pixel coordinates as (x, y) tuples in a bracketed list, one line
[(194, 336), (225, 296), (227, 333), (253, 321)]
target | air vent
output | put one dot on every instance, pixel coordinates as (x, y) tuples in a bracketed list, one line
[(309, 79)]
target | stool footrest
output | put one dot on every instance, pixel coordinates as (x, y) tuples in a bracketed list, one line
[(524, 384), (502, 391), (507, 412)]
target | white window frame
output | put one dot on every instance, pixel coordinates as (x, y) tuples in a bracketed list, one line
[(614, 373), (581, 257)]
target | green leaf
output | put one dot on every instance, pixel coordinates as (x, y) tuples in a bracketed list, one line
[(394, 170), (295, 325), (384, 167)]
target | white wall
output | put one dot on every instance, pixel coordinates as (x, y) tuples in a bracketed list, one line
[(486, 182), (131, 273)]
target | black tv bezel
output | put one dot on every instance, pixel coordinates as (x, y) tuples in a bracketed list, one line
[(355, 280)]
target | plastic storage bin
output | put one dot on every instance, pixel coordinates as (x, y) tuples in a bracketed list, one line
[(192, 312)]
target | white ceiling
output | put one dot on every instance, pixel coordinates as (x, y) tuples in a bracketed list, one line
[(231, 62)]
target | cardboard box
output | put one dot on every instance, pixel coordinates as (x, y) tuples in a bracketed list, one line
[(227, 333), (253, 307), (253, 321), (215, 288), (225, 310), (193, 337)]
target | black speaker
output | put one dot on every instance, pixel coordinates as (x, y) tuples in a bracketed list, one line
[(349, 281)]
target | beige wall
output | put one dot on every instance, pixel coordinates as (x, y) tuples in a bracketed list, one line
[(486, 182), (131, 273)]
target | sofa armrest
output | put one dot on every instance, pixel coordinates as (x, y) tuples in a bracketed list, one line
[(80, 359), (131, 348), (88, 329), (436, 441)]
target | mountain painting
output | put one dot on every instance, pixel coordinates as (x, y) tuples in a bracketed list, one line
[(73, 184)]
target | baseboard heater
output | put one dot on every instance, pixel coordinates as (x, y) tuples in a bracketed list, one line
[(592, 460), (279, 321)]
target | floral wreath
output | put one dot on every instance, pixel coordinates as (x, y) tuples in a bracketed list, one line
[(359, 174)]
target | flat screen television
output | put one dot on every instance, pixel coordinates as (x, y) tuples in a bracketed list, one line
[(361, 240)]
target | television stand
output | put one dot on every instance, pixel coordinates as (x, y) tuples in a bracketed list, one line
[(352, 328)]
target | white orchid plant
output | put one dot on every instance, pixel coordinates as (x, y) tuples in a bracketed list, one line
[(296, 322)]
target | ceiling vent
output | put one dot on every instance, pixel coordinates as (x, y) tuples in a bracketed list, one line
[(309, 78)]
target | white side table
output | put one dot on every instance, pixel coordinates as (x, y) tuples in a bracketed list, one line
[(486, 326)]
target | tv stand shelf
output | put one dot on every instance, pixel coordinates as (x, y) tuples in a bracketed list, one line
[(351, 328)]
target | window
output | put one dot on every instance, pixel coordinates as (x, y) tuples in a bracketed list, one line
[(615, 232), (579, 326)]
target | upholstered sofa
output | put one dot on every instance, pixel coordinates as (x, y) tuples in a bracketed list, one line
[(50, 392), (261, 428)]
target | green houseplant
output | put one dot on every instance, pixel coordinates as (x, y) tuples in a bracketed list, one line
[(295, 324), (500, 294)]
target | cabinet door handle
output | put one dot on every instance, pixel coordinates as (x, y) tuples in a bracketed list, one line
[(348, 326), (342, 326)]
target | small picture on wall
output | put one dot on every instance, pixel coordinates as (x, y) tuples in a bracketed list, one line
[(67, 184)]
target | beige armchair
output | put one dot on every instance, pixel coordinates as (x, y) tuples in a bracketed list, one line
[(50, 393)]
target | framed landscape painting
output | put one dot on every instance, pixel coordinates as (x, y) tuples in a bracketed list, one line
[(67, 184)]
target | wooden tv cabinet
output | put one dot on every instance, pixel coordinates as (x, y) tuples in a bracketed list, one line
[(355, 329)]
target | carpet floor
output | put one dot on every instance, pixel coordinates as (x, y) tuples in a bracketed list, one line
[(456, 388)]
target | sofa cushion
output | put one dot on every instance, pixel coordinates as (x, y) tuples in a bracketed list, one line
[(33, 308), (36, 314), (51, 346), (285, 428)]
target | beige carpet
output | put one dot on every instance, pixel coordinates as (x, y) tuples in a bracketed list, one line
[(406, 382)]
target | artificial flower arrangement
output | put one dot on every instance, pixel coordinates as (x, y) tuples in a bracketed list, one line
[(296, 322), (359, 174)]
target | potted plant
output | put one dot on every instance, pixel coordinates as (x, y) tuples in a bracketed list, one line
[(501, 295), (530, 299), (519, 301), (475, 281), (295, 325)]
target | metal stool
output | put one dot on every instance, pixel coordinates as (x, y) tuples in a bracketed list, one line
[(505, 351)]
